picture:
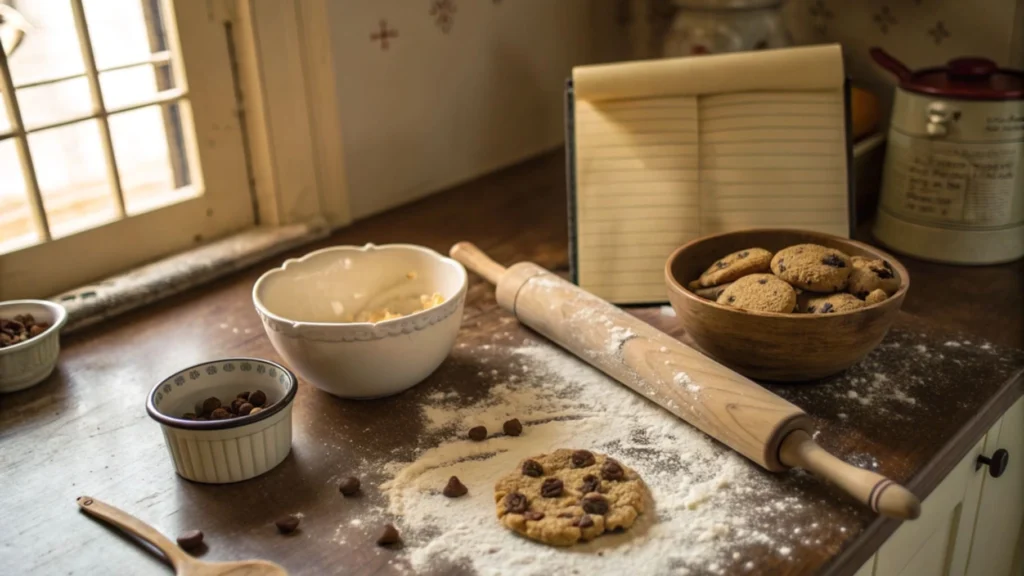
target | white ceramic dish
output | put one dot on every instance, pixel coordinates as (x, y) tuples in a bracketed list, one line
[(303, 305), (28, 363), (223, 451)]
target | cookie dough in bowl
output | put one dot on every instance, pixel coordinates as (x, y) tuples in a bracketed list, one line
[(569, 496)]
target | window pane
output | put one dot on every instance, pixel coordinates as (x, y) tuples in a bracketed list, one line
[(54, 102), (16, 228), (72, 173), (150, 158), (132, 85), (49, 48), (118, 30)]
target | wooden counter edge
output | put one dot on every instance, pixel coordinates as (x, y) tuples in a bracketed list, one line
[(868, 542)]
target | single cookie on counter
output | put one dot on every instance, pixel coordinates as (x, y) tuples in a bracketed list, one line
[(868, 275), (569, 496), (833, 303), (812, 267), (736, 265), (760, 293), (875, 296)]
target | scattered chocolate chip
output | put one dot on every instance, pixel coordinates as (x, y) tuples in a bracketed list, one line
[(36, 330), (349, 486), (191, 539), (762, 281), (455, 488), (833, 261), (478, 433), (515, 503), (287, 524), (585, 521), (389, 536), (595, 504), (236, 405), (743, 254), (220, 414), (582, 459), (885, 273), (513, 427), (827, 307), (612, 470), (590, 484), (532, 515), (533, 469), (721, 264), (210, 404), (245, 409), (258, 399), (551, 488), (244, 395)]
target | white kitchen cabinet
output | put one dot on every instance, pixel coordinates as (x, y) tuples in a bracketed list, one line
[(972, 523)]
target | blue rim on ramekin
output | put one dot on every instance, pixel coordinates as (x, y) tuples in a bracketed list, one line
[(231, 422)]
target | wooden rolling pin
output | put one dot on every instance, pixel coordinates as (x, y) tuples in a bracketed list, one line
[(723, 404)]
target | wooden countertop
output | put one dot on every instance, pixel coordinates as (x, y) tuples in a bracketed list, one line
[(85, 430)]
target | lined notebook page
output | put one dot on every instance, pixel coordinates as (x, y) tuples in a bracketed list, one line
[(773, 159), (637, 193)]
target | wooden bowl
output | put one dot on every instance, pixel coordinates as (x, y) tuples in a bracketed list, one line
[(770, 346)]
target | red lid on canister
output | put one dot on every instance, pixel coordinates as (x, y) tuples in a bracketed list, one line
[(968, 78)]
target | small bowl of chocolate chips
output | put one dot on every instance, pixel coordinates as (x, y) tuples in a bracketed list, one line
[(29, 342), (226, 420)]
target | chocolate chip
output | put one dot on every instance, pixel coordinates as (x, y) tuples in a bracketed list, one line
[(244, 395), (455, 488), (590, 484), (258, 399), (389, 536), (612, 470), (533, 469), (811, 308), (721, 264), (478, 433), (862, 294), (585, 521), (220, 414), (833, 261), (743, 254), (513, 427), (191, 539), (236, 405), (566, 515), (287, 524), (730, 299), (532, 515), (885, 273), (582, 459), (349, 486), (782, 267), (827, 307), (515, 503), (245, 409), (210, 404), (595, 504), (762, 281), (551, 488)]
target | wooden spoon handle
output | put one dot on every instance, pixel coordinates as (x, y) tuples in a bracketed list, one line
[(134, 526), (474, 258), (882, 495)]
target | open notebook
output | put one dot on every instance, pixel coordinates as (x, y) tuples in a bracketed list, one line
[(661, 152)]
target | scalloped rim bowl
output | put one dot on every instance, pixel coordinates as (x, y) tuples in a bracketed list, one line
[(302, 304)]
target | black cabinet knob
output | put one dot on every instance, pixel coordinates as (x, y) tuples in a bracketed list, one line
[(996, 463)]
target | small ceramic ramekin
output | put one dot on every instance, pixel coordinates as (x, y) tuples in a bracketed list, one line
[(307, 304), (28, 363), (224, 451)]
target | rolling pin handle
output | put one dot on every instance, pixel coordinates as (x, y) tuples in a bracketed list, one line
[(474, 258), (882, 495)]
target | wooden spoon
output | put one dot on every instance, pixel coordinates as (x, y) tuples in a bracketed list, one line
[(184, 565)]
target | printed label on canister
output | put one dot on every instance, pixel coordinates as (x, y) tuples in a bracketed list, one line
[(956, 184)]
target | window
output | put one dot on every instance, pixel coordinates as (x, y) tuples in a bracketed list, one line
[(120, 138)]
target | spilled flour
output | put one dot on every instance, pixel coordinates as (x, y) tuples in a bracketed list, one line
[(704, 508)]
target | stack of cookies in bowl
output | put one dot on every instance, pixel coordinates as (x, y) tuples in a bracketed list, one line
[(799, 279)]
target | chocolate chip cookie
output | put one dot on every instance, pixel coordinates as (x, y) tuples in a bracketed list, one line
[(569, 496), (868, 275), (736, 265), (812, 267), (759, 292), (833, 303), (875, 296)]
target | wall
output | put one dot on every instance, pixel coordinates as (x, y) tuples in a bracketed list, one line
[(463, 88)]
